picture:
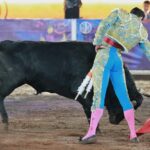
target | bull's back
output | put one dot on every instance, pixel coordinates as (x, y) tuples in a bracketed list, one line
[(53, 67)]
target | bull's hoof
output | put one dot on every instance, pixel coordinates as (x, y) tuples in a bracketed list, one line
[(89, 140), (134, 140)]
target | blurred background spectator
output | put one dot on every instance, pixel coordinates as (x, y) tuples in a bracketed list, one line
[(146, 9), (72, 8)]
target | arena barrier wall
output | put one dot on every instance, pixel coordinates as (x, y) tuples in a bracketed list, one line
[(67, 30)]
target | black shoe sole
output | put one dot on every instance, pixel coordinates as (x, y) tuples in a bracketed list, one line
[(89, 140), (134, 140)]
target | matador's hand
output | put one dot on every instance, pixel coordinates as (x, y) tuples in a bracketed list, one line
[(98, 47)]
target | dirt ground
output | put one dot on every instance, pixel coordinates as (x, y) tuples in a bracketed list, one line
[(52, 122)]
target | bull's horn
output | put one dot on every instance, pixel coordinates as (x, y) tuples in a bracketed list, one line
[(134, 103), (143, 93)]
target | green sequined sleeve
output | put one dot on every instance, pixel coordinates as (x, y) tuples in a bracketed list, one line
[(145, 45), (104, 26)]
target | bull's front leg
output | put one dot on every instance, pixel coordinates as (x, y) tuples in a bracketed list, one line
[(3, 114)]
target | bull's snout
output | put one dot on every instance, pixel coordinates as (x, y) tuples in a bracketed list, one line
[(116, 119)]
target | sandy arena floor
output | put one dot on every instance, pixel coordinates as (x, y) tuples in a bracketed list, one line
[(52, 122)]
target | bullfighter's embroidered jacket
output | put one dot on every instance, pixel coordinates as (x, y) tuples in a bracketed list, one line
[(126, 29)]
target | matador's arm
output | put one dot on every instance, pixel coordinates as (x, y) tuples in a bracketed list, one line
[(104, 26), (145, 43)]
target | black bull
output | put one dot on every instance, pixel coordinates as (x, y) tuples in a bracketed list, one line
[(55, 67)]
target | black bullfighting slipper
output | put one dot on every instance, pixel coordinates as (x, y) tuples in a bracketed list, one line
[(89, 140), (134, 140)]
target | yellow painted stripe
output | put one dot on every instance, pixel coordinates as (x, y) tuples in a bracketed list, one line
[(48, 10)]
